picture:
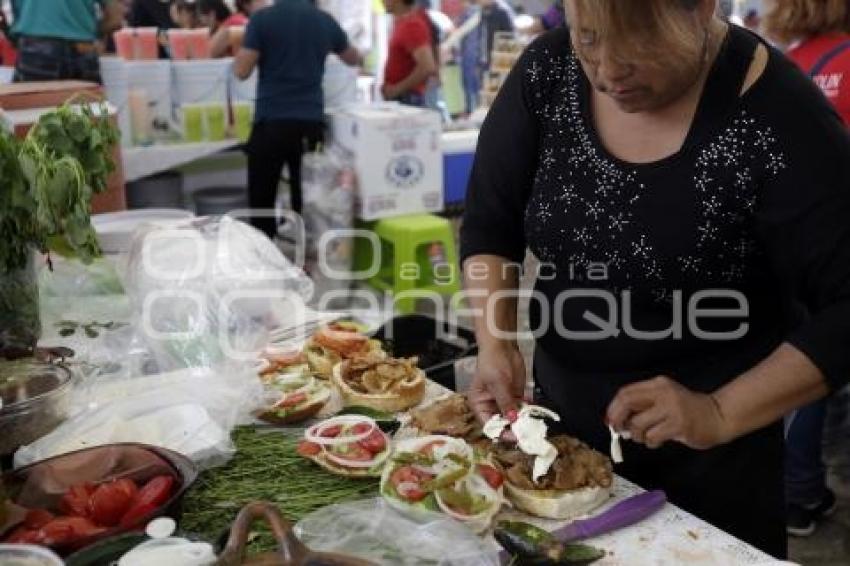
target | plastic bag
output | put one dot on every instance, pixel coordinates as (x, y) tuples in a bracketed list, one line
[(329, 185), (371, 530), (206, 291), (189, 411)]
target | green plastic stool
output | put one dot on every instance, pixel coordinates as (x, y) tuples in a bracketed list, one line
[(405, 265)]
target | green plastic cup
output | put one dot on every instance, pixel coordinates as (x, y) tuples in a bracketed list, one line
[(193, 123), (216, 122), (243, 118)]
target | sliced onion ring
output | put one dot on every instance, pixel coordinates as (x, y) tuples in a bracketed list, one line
[(313, 434), (336, 459), (404, 488)]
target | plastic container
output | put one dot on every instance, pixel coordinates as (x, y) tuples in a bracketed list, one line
[(125, 43), (35, 401), (39, 485), (192, 117), (113, 71), (27, 555), (215, 117), (201, 82), (243, 120), (154, 79), (147, 44), (243, 91), (437, 344), (199, 43), (178, 43), (219, 200), (115, 229)]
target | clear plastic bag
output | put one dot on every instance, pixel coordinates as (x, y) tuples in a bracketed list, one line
[(372, 530), (206, 291), (329, 187), (190, 411)]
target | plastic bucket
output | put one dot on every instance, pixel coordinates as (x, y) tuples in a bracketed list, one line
[(219, 200), (164, 190)]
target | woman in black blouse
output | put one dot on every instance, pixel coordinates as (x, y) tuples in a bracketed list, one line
[(682, 184)]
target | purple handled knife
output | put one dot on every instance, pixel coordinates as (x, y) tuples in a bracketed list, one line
[(624, 514)]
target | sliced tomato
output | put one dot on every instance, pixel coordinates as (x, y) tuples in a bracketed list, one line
[(429, 448), (291, 401), (37, 518), (412, 477), (375, 443), (308, 449), (136, 514), (24, 535), (109, 503), (66, 530), (128, 486), (75, 502), (331, 431), (491, 475), (156, 491), (360, 428)]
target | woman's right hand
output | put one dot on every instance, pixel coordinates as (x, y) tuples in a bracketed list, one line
[(499, 382)]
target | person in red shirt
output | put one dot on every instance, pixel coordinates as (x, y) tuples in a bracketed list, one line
[(410, 62), (817, 33)]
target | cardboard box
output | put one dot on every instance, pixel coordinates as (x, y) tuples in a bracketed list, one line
[(397, 156), (19, 96)]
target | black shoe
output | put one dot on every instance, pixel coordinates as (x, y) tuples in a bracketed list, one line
[(800, 522)]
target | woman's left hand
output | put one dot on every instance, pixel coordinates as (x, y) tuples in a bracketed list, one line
[(661, 410)]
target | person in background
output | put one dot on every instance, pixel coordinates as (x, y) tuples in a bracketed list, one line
[(227, 33), (149, 14), (550, 19), (441, 26), (184, 14), (817, 33), (289, 43), (410, 61), (8, 54), (469, 46), (495, 17), (59, 40)]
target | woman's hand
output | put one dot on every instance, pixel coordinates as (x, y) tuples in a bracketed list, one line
[(499, 382), (661, 410)]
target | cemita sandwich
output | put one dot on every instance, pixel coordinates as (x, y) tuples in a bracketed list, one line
[(349, 445), (292, 393), (337, 342), (555, 478), (441, 474), (383, 384)]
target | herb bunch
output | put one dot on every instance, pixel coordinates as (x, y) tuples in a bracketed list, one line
[(47, 182)]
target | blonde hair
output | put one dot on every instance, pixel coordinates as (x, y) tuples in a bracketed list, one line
[(791, 20), (640, 29)]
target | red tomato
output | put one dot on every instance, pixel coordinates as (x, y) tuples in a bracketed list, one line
[(410, 475), (491, 475), (23, 535), (375, 443), (512, 415), (136, 515), (37, 518), (75, 502), (156, 491), (360, 428), (331, 431), (291, 401), (429, 448), (128, 486), (308, 449), (109, 503), (65, 530)]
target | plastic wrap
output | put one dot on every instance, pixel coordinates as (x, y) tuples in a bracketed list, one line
[(328, 184), (191, 412), (371, 530), (207, 291)]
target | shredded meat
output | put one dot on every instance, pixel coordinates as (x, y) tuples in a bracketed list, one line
[(369, 373), (451, 416), (577, 466)]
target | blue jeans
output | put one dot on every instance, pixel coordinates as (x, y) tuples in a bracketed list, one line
[(805, 472), (48, 59)]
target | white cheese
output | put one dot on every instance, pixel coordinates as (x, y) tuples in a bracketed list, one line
[(616, 451), (494, 427), (530, 431)]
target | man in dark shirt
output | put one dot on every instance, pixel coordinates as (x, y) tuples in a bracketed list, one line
[(495, 17), (289, 43)]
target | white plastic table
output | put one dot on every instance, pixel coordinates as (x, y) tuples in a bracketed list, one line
[(140, 162)]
